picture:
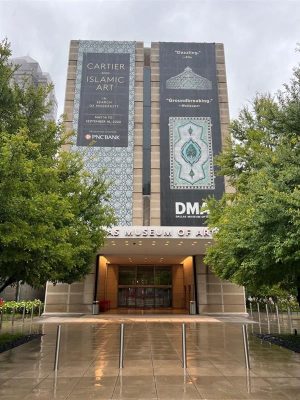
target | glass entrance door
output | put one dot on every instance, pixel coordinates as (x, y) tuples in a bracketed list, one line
[(149, 298), (146, 286), (139, 300), (140, 297)]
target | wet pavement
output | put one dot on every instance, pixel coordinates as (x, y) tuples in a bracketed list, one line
[(89, 361)]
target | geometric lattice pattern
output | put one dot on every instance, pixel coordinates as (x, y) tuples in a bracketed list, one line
[(191, 156), (117, 161)]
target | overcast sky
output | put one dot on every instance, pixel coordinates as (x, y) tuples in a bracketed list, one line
[(260, 36)]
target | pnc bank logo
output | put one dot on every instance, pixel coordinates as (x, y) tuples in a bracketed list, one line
[(190, 209)]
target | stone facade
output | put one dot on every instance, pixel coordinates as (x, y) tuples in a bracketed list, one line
[(192, 279)]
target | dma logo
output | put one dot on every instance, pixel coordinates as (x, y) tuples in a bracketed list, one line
[(189, 210)]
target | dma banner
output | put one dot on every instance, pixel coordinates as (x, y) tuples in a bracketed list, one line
[(190, 132)]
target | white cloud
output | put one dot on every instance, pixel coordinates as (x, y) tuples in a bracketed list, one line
[(259, 36)]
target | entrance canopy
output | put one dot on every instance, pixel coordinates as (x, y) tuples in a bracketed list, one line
[(154, 244)]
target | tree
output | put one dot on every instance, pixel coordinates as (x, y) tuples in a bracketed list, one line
[(258, 238), (53, 212)]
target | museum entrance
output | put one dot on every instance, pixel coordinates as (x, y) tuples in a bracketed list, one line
[(144, 287)]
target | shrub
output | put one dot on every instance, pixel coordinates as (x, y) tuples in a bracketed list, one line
[(7, 307)]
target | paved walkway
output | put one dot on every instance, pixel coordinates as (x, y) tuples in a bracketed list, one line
[(152, 369), (111, 318)]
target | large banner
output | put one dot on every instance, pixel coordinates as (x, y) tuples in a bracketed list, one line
[(104, 99), (190, 133), (103, 117)]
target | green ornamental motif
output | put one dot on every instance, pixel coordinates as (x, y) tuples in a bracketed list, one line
[(191, 152), (191, 158)]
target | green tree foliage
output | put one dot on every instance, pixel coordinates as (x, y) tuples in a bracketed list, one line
[(258, 238), (53, 212)]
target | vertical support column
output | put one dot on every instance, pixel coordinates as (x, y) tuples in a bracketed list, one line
[(155, 204), (259, 318), (183, 341), (96, 277), (251, 311), (268, 318), (195, 284), (277, 316), (138, 205), (146, 138), (290, 319)]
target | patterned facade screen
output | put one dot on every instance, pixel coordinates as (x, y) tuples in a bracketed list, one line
[(104, 116), (189, 131)]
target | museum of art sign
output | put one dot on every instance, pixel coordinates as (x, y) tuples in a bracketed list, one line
[(158, 232)]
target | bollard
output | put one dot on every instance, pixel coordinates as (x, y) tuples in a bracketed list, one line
[(57, 347), (277, 316), (246, 347), (249, 389), (31, 313), (23, 315), (183, 346), (13, 316), (290, 319), (39, 309), (251, 311), (268, 319), (121, 355)]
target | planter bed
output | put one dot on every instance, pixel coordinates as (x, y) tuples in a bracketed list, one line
[(9, 341), (288, 341)]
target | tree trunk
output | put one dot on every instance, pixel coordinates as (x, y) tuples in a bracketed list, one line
[(298, 295), (9, 281)]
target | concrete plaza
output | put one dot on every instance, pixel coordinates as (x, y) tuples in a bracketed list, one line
[(88, 367)]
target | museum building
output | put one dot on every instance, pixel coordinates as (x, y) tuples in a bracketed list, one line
[(154, 118)]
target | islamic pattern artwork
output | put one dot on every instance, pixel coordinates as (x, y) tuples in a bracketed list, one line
[(191, 157), (188, 79), (117, 162)]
